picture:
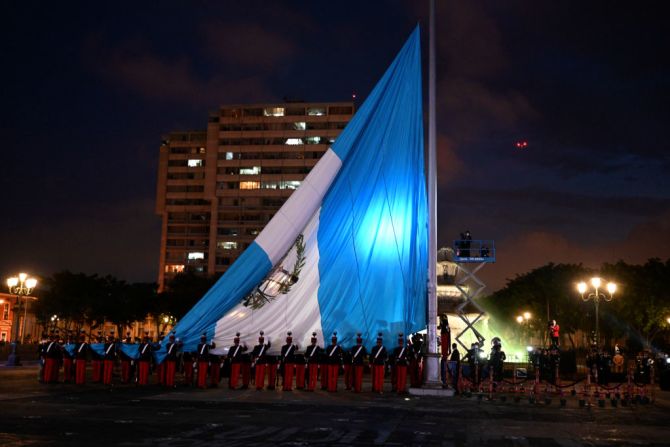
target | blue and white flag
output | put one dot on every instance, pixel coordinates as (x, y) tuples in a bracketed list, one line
[(347, 252)]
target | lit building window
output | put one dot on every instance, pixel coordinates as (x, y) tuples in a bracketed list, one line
[(195, 163), (313, 140), (300, 126), (196, 255), (201, 150), (174, 268), (290, 184), (254, 170), (226, 245), (229, 155), (250, 185), (273, 111), (316, 111), (294, 141)]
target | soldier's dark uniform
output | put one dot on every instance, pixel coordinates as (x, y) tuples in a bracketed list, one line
[(144, 360), (400, 362), (96, 361), (68, 359), (358, 354), (80, 358), (109, 359), (333, 357), (126, 362), (378, 356), (312, 357), (203, 356), (53, 356), (235, 357), (259, 360), (287, 362), (171, 358)]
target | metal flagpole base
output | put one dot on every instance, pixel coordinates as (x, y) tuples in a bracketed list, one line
[(433, 386)]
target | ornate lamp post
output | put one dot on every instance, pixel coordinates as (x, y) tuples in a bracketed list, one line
[(593, 291), (20, 286)]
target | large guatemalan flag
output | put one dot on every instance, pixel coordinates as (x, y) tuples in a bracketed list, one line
[(348, 250)]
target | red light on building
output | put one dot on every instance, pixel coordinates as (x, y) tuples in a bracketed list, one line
[(522, 144)]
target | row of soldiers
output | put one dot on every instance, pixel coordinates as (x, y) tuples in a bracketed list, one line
[(73, 356), (255, 366)]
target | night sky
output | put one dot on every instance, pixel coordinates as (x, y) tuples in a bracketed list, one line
[(89, 88)]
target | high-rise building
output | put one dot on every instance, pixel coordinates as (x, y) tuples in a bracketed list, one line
[(218, 188)]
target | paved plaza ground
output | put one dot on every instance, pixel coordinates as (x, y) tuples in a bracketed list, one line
[(63, 414)]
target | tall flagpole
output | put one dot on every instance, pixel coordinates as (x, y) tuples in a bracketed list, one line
[(432, 365)]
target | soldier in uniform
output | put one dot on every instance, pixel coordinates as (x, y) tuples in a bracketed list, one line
[(378, 357), (41, 347), (357, 355), (80, 357), (108, 359), (333, 356), (52, 357), (189, 367), (96, 361), (144, 361), (68, 357), (214, 369), (259, 360), (235, 354), (497, 359), (126, 362), (312, 356), (171, 357), (160, 367), (415, 367), (203, 360), (400, 361), (287, 362), (348, 370), (272, 367)]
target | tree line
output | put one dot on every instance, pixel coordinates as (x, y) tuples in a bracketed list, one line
[(638, 312), (71, 301)]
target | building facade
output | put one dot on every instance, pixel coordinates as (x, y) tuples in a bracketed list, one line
[(218, 188)]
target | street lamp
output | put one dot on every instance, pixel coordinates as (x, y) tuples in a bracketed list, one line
[(524, 318), (20, 286), (592, 291)]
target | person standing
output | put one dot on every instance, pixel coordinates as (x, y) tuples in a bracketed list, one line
[(52, 357), (299, 371), (97, 360), (455, 365), (358, 354), (189, 367), (68, 359), (235, 354), (108, 359), (144, 361), (214, 369), (378, 356), (126, 361), (259, 361), (400, 356), (171, 356), (333, 357), (80, 358), (287, 362), (312, 356), (554, 333), (203, 361), (497, 359)]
